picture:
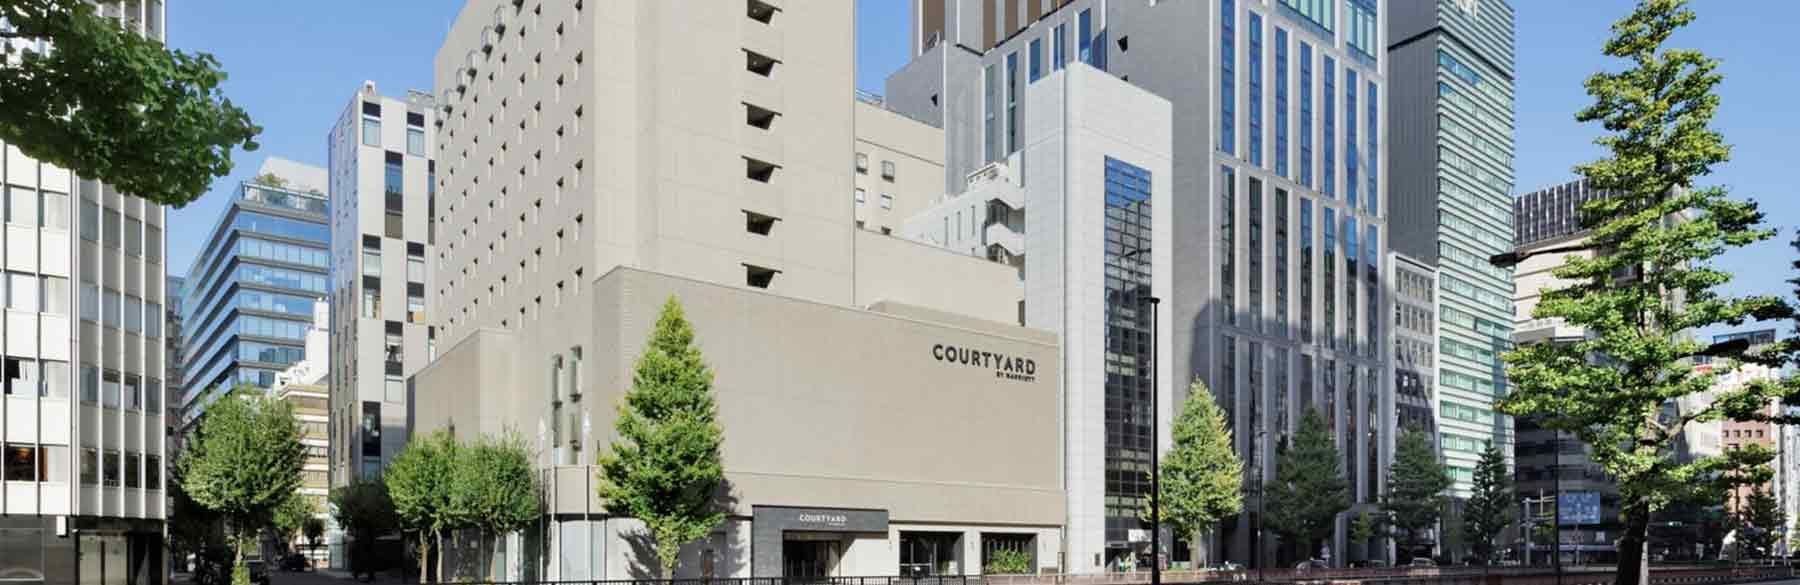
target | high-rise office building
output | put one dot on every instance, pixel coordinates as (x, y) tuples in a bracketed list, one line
[(1277, 216), (82, 422), (381, 259), (252, 288), (1452, 175)]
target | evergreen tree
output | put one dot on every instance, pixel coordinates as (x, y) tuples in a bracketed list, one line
[(1490, 506), (1416, 485), (418, 482), (1759, 520), (242, 462), (113, 105), (665, 468), (1309, 490), (1202, 478), (1652, 280)]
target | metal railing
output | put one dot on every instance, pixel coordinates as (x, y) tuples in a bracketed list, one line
[(1728, 575)]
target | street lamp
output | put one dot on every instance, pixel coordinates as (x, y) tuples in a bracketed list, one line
[(1155, 434), (1262, 560)]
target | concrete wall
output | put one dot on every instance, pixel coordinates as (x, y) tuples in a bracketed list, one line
[(892, 269), (914, 148), (861, 417)]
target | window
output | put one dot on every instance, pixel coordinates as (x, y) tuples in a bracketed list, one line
[(757, 223), (1227, 76), (394, 389), (1012, 102), (415, 269), (54, 379), (111, 221), (990, 113), (54, 210), (153, 318), (371, 131), (860, 196), (1350, 147), (1330, 129), (90, 220), (21, 206), (1037, 59), (20, 463), (90, 467), (1371, 199), (90, 384), (755, 116), (1084, 36), (862, 164), (415, 141), (1059, 47), (887, 170), (758, 63), (134, 314), (153, 472), (56, 295), (1306, 118), (760, 11), (759, 171), (1281, 102), (1318, 13), (1361, 34), (1256, 85), (887, 201), (1228, 243), (21, 291), (109, 466), (758, 277), (21, 377)]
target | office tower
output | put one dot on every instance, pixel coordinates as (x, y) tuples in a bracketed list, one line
[(380, 152), (251, 289), (1276, 218), (1415, 346), (1452, 176), (174, 353), (83, 461), (884, 413)]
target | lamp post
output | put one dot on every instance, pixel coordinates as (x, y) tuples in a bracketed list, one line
[(1262, 560), (1155, 447), (1156, 556)]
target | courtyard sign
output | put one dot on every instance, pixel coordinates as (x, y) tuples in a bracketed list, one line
[(1005, 367)]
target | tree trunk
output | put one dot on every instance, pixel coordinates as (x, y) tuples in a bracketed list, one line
[(424, 556), (1634, 560)]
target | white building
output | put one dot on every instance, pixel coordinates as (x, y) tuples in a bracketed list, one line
[(383, 239), (83, 465)]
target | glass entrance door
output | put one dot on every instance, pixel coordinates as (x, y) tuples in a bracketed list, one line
[(809, 559)]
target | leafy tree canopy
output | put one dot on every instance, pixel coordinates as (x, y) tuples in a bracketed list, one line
[(112, 105), (1202, 478), (665, 467)]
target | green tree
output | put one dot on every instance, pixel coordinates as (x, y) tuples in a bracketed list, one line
[(1416, 485), (1309, 490), (1202, 478), (1490, 506), (365, 512), (1654, 280), (192, 527), (115, 106), (665, 468), (270, 179), (242, 462), (493, 487), (292, 514), (314, 529), (1759, 521), (418, 481), (1363, 528), (1007, 561)]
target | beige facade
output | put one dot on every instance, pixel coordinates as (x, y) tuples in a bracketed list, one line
[(866, 416), (899, 166), (577, 137)]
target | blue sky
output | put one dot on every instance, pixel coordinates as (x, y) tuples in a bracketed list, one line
[(294, 66)]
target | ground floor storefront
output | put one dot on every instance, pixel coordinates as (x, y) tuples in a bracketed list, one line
[(55, 550), (797, 542)]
